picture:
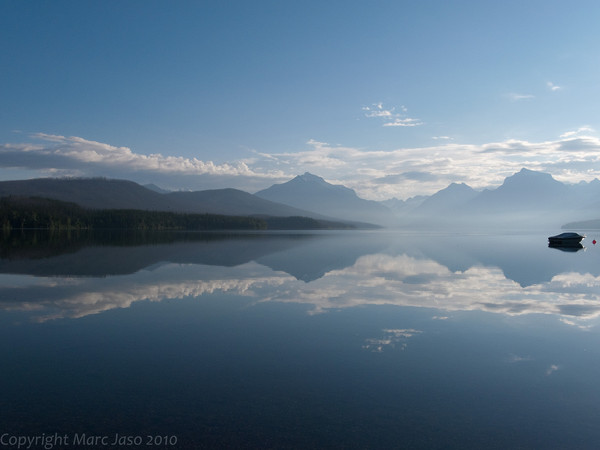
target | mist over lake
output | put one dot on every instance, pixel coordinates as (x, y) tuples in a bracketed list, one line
[(337, 339)]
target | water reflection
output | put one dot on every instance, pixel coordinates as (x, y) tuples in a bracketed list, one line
[(567, 248), (392, 338), (325, 340), (73, 276)]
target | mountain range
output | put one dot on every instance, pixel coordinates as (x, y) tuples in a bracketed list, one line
[(527, 198), (101, 193), (313, 193)]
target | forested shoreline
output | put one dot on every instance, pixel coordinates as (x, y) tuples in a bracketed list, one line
[(19, 213)]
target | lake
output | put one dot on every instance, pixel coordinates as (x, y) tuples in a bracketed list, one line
[(354, 339)]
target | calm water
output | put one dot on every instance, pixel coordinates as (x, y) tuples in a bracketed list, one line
[(312, 340)]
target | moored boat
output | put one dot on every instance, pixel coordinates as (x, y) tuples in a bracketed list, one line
[(565, 240)]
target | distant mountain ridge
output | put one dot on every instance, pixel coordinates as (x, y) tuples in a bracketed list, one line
[(155, 188), (526, 189), (101, 193), (96, 193), (451, 197), (313, 193), (525, 198)]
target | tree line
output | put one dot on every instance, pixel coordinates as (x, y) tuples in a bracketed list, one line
[(41, 213), (20, 213)]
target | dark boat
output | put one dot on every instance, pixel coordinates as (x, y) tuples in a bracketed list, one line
[(565, 240)]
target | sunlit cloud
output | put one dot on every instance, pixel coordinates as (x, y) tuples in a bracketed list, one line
[(55, 155), (405, 172), (377, 110), (373, 173), (580, 131), (86, 151), (406, 122), (390, 116), (553, 368)]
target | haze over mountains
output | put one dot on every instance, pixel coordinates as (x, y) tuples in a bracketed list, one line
[(525, 199), (313, 193)]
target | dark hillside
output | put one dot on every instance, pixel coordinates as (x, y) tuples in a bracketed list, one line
[(98, 193), (102, 193)]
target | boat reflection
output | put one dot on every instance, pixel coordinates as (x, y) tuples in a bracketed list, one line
[(572, 248)]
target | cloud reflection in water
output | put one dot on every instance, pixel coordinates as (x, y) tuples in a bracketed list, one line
[(410, 276)]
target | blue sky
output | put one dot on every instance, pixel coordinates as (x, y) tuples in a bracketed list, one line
[(391, 98)]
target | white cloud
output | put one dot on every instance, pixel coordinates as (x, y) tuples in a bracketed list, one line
[(57, 155), (553, 87), (375, 174), (378, 174), (93, 152), (581, 130), (377, 110), (398, 122), (515, 97), (390, 117)]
